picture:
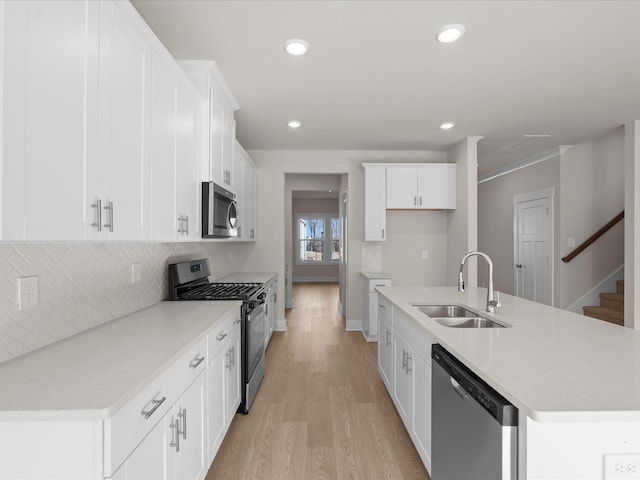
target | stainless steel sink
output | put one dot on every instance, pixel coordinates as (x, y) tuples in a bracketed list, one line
[(472, 322), (446, 311), (455, 316)]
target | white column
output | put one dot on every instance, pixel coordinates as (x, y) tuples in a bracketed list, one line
[(632, 225), (462, 229)]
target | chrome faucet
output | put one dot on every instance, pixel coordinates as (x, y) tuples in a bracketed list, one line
[(493, 300)]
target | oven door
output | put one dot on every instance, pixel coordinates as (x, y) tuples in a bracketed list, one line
[(254, 338)]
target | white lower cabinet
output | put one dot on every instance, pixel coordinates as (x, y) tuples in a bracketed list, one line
[(270, 311), (147, 461), (224, 392), (185, 432), (404, 363)]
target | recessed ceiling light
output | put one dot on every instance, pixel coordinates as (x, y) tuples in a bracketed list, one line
[(296, 47), (294, 124), (447, 125), (450, 33)]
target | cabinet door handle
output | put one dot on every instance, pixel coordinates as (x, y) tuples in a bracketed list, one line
[(196, 361), (233, 356), (228, 362), (98, 206), (186, 220), (175, 428), (383, 233), (156, 404), (183, 415), (420, 200), (408, 363), (109, 208), (382, 306), (404, 360), (415, 200), (221, 336), (388, 338)]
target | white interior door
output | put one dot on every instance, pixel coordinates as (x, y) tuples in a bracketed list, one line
[(533, 249)]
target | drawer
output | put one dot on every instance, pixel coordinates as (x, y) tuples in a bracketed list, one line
[(220, 334), (380, 282), (419, 340), (129, 425)]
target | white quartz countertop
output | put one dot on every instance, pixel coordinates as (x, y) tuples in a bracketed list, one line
[(248, 277), (375, 275), (90, 375), (552, 364)]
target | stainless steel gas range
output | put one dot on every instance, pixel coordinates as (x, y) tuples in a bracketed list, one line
[(189, 281)]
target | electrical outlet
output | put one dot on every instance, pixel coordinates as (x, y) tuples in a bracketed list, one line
[(425, 254), (136, 272), (623, 466), (27, 292)]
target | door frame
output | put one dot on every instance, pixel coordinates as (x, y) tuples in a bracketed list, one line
[(549, 194)]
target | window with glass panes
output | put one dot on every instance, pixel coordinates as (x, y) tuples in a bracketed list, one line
[(318, 239)]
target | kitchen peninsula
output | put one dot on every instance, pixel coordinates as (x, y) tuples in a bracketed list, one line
[(572, 378)]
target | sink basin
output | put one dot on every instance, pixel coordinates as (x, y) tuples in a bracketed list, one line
[(471, 322), (456, 316), (446, 311)]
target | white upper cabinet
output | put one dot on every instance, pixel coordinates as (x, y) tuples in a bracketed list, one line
[(123, 155), (425, 186), (245, 178), (49, 100), (221, 124), (100, 142), (375, 215)]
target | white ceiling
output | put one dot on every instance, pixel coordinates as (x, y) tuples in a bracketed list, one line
[(375, 78)]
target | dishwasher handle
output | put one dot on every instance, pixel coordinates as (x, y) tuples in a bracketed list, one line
[(458, 389)]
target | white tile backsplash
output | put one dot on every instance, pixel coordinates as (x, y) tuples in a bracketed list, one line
[(81, 286)]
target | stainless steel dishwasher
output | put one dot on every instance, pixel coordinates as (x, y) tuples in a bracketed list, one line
[(474, 428)]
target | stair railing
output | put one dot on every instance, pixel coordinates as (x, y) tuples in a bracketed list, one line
[(593, 238)]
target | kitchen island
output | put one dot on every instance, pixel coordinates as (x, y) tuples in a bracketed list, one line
[(574, 379)]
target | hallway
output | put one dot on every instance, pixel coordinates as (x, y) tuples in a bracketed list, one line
[(322, 411)]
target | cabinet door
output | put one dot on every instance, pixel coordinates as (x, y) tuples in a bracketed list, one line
[(185, 454), (234, 361), (437, 186), (49, 118), (125, 61), (375, 214), (402, 187), (187, 148), (385, 352), (402, 378), (163, 150), (249, 200), (421, 404), (147, 460), (216, 386), (228, 145), (239, 159)]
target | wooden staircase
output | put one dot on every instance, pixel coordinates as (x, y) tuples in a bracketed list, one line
[(611, 307)]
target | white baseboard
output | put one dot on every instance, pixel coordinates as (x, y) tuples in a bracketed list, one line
[(592, 296), (316, 279), (370, 338), (281, 325), (354, 325)]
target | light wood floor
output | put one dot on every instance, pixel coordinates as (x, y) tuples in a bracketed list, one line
[(322, 411)]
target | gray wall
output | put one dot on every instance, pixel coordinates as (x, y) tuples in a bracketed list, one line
[(589, 191)]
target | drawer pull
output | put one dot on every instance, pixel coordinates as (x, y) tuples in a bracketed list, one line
[(183, 415), (196, 361), (175, 427), (156, 404), (382, 307), (237, 321), (221, 336)]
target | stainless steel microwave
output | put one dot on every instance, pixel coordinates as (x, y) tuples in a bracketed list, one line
[(219, 212)]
